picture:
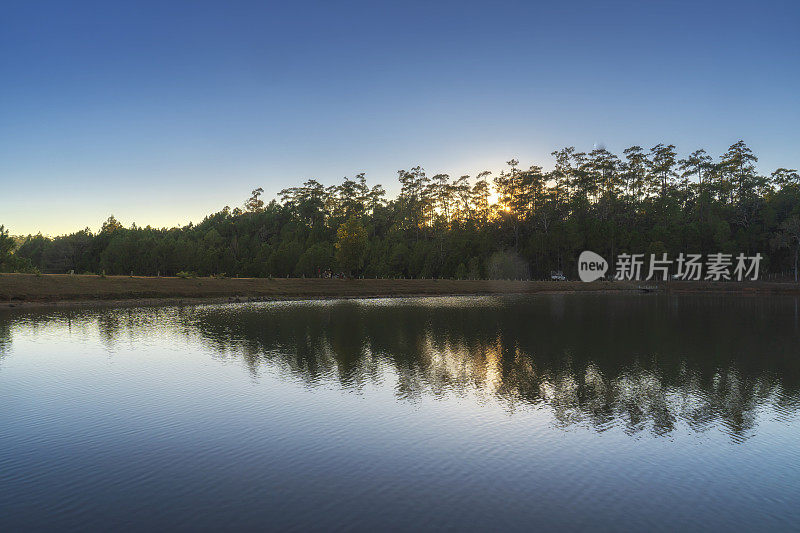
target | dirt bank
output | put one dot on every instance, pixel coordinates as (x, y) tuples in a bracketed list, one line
[(28, 289)]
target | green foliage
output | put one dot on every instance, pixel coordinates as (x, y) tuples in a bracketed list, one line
[(7, 245), (10, 261), (15, 263), (186, 275), (643, 201), (789, 237), (351, 245), (507, 265)]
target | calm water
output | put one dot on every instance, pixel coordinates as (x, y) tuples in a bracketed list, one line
[(551, 412)]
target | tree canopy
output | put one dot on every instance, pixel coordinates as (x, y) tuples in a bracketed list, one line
[(524, 221)]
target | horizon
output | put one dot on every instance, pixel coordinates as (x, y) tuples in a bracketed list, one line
[(161, 115)]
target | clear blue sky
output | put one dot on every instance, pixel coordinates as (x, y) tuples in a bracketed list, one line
[(163, 112)]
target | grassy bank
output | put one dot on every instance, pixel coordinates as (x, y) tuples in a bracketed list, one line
[(52, 288), (63, 287)]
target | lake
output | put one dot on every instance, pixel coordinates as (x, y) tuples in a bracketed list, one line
[(578, 411)]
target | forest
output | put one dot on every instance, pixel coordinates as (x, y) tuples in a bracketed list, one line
[(521, 223)]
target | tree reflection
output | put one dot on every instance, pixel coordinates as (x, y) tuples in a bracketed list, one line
[(5, 336), (645, 363)]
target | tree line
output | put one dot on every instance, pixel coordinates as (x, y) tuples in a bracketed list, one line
[(523, 222)]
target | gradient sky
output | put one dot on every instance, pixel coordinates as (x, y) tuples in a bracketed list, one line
[(163, 112)]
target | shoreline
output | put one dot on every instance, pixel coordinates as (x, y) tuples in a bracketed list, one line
[(174, 301), (62, 290)]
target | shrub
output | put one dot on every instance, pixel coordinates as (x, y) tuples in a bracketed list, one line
[(507, 265)]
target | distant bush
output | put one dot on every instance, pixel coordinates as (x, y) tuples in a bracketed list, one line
[(9, 261), (22, 265), (186, 275), (507, 265)]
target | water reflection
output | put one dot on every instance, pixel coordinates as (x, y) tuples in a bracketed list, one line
[(643, 363)]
